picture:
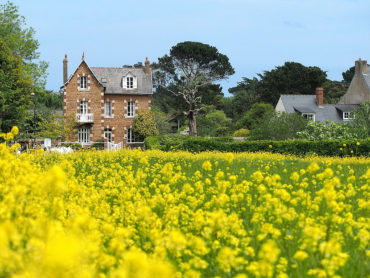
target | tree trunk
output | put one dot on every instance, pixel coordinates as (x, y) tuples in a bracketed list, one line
[(192, 124)]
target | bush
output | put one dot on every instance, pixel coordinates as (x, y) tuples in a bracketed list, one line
[(278, 126), (295, 147), (328, 130), (241, 133)]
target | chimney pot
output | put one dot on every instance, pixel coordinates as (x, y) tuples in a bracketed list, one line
[(320, 96), (147, 66), (360, 66), (65, 69)]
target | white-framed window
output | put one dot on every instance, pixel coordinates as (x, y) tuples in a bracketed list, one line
[(309, 116), (84, 135), (108, 134), (83, 82), (348, 116), (130, 136), (131, 109), (84, 107), (129, 81), (108, 109)]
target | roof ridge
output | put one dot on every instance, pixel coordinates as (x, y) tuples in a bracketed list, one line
[(106, 67), (295, 95)]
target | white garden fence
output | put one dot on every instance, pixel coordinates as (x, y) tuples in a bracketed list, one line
[(114, 147)]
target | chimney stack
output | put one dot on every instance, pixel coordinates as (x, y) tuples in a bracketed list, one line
[(361, 66), (147, 66), (320, 96), (65, 69)]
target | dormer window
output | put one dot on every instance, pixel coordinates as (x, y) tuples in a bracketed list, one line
[(348, 116), (129, 81), (83, 82), (309, 116)]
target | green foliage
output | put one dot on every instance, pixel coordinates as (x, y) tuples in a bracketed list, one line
[(295, 147), (348, 75), (49, 100), (326, 131), (242, 101), (360, 125), (144, 124), (255, 115), (162, 120), (190, 68), (212, 122), (291, 78), (278, 126), (15, 88), (333, 90), (241, 133), (20, 70), (20, 39)]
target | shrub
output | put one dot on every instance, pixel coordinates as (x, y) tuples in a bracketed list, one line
[(295, 147), (327, 130), (241, 133)]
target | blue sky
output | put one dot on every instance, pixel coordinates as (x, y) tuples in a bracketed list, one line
[(256, 35)]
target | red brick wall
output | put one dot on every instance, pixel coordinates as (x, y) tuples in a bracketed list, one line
[(96, 98), (119, 123)]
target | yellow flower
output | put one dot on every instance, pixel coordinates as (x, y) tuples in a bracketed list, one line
[(300, 255), (207, 165)]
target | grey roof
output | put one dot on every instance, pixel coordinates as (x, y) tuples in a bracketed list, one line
[(303, 109), (346, 107), (114, 76), (327, 112)]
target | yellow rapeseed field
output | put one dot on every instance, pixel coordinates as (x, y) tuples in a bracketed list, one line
[(152, 214)]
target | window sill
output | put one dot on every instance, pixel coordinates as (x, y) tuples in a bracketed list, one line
[(108, 117), (83, 89)]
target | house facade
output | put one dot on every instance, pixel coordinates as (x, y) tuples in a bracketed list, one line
[(105, 100), (313, 108)]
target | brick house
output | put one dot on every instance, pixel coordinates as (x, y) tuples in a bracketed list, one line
[(105, 100)]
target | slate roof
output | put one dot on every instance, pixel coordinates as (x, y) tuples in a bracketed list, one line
[(307, 103), (113, 78), (346, 107)]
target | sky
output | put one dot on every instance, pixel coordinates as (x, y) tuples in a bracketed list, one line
[(256, 35)]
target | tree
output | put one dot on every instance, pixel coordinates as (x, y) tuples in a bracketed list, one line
[(144, 125), (19, 73), (291, 78), (162, 120), (348, 75), (188, 68), (212, 122), (15, 88), (255, 115), (20, 39)]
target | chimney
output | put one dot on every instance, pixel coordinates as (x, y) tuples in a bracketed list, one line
[(361, 66), (65, 69), (147, 66), (320, 96)]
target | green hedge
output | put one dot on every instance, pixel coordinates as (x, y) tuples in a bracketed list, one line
[(226, 144)]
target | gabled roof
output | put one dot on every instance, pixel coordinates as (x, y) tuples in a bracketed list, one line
[(70, 77), (307, 104), (302, 109), (346, 107), (114, 76)]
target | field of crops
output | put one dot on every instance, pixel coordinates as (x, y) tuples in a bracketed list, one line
[(154, 214)]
